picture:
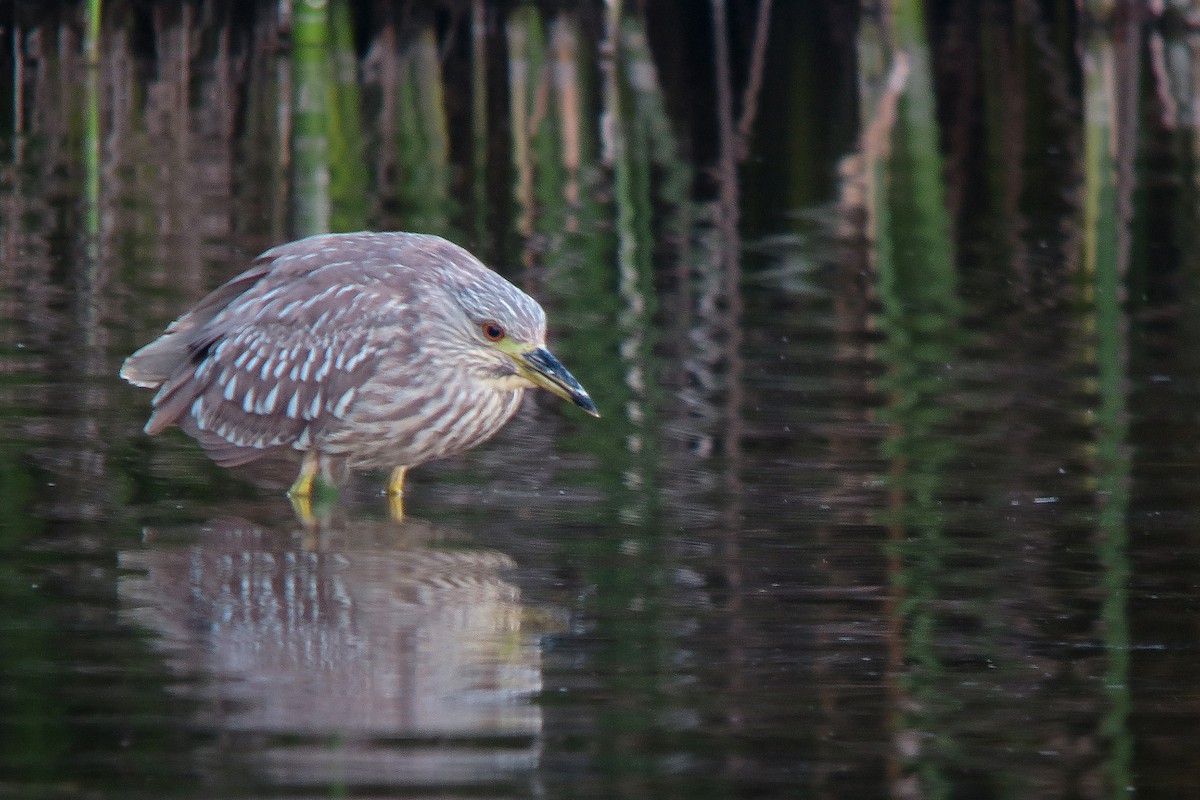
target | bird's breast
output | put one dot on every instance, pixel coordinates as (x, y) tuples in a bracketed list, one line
[(394, 422)]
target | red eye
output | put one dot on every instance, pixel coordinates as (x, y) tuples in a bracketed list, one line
[(493, 331)]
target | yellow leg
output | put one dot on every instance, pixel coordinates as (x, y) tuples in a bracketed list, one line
[(395, 493), (300, 492), (396, 482), (304, 481)]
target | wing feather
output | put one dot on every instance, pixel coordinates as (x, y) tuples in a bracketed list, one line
[(280, 364)]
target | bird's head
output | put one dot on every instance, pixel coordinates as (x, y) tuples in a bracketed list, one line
[(502, 334)]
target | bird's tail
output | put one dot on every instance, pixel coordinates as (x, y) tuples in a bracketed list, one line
[(150, 366)]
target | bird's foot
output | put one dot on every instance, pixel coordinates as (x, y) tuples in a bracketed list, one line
[(309, 488)]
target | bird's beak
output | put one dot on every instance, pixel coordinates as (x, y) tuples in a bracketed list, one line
[(541, 367)]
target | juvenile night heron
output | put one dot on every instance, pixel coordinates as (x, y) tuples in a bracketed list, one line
[(373, 350)]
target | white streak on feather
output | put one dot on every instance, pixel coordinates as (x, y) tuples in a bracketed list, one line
[(358, 357), (270, 294), (308, 362), (511, 311), (231, 388), (463, 427), (293, 406), (323, 370), (267, 404), (430, 426), (197, 411), (343, 403), (248, 401), (319, 296)]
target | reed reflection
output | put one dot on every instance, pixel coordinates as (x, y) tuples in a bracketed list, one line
[(380, 635)]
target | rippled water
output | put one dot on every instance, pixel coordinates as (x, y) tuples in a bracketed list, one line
[(893, 331)]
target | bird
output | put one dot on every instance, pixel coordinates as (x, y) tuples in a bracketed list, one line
[(375, 350)]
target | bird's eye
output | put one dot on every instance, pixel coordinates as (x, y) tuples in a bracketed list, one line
[(493, 331)]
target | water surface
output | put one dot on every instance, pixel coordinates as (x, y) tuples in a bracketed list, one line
[(891, 321)]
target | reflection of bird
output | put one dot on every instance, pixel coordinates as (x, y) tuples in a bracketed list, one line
[(384, 636), (376, 349)]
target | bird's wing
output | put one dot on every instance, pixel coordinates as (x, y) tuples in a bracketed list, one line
[(350, 256), (281, 362)]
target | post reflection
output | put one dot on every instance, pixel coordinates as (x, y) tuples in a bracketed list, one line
[(369, 650)]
